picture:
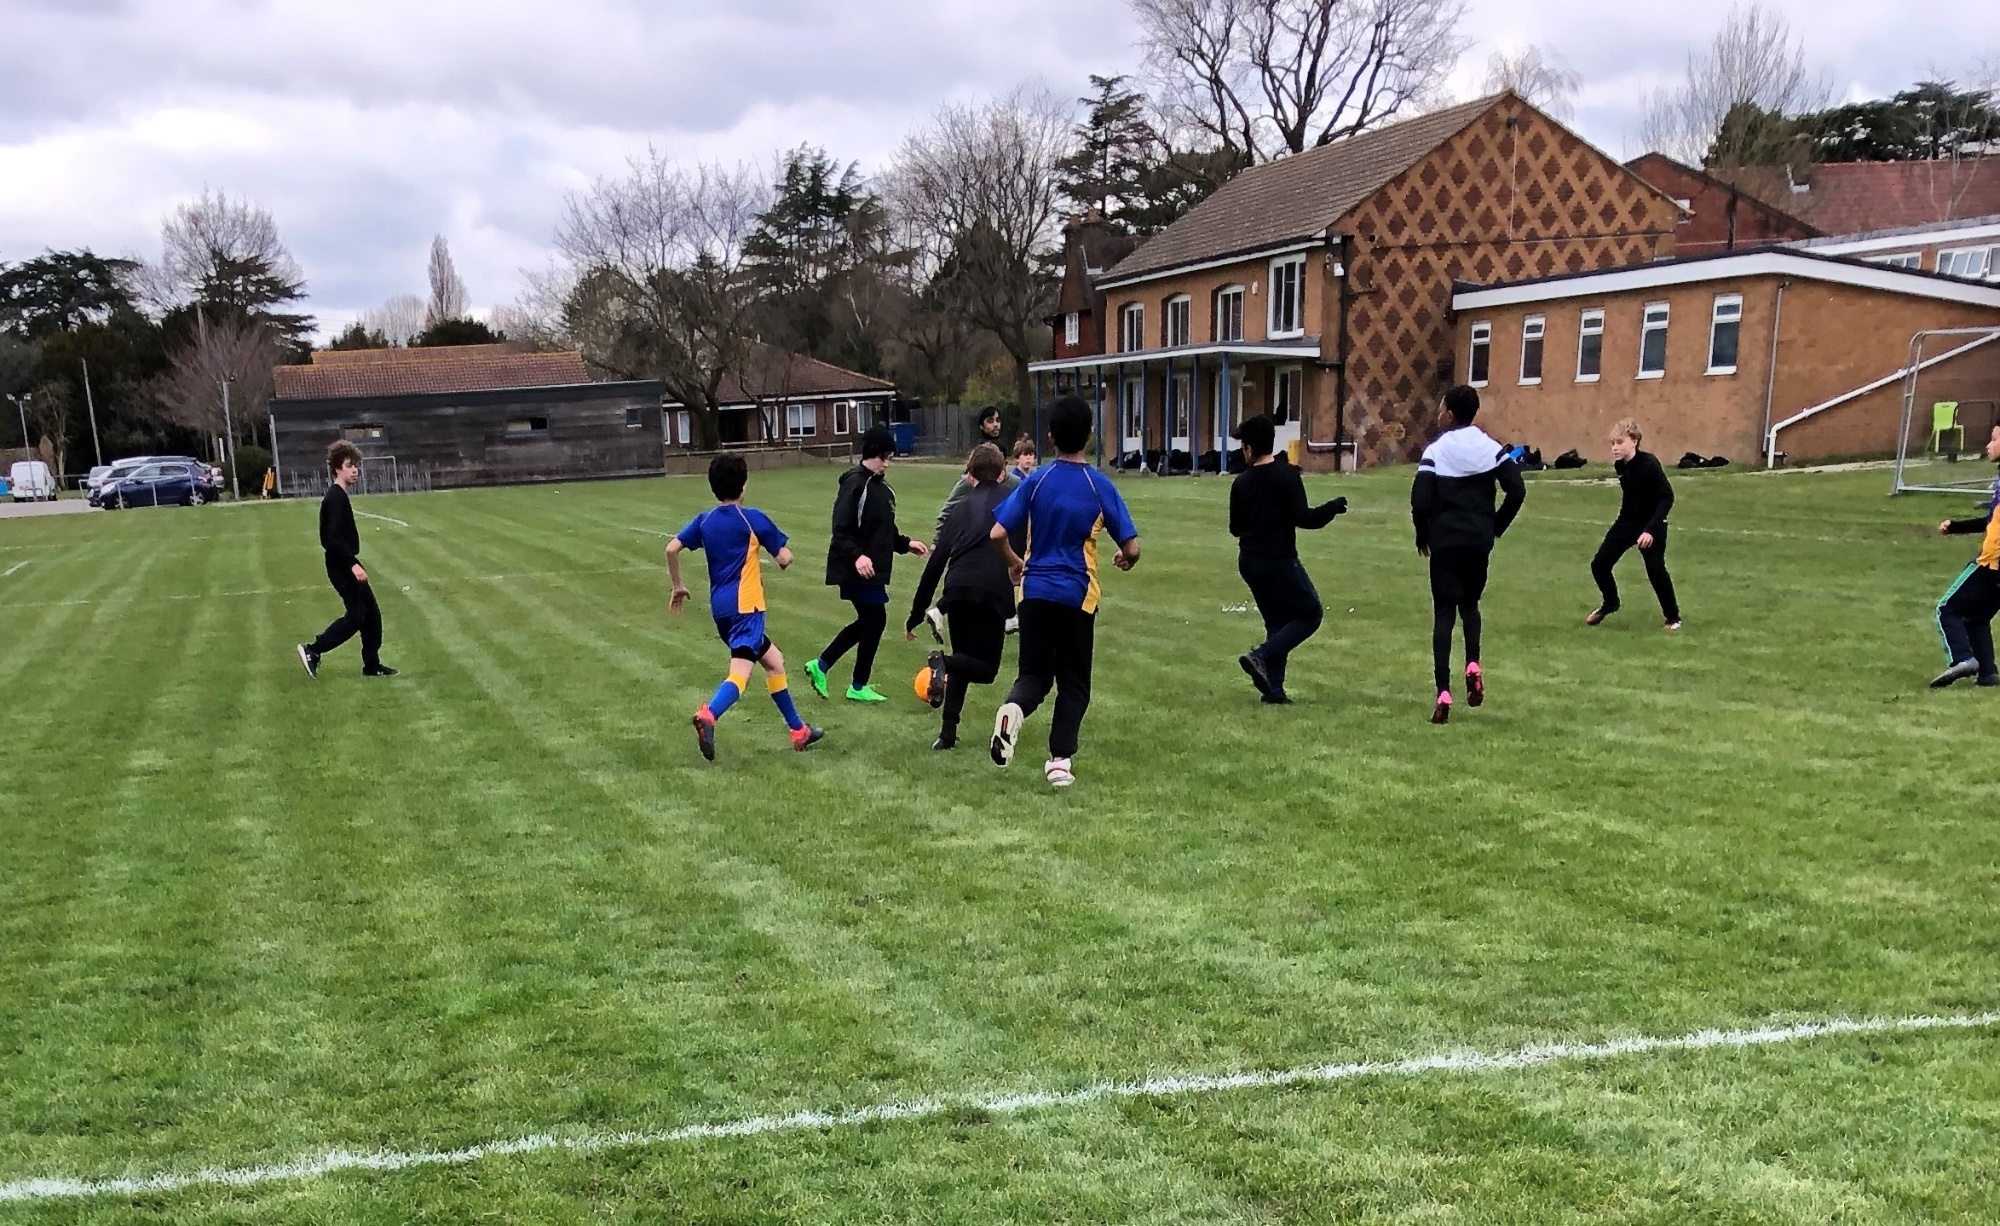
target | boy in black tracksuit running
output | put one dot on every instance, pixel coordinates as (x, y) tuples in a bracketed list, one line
[(1645, 496), (978, 592), (1965, 614), (1451, 504), (1267, 506), (341, 542), (859, 560)]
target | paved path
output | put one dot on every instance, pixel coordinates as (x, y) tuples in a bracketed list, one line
[(9, 509)]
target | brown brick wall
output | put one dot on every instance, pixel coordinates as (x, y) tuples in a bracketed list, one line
[(1253, 275), (1708, 230)]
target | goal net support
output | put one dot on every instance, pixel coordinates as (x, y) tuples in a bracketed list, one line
[(1951, 402)]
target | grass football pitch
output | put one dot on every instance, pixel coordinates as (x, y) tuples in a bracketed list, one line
[(250, 920)]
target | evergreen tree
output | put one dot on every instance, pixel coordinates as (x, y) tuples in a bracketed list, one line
[(458, 331), (1122, 168), (59, 291), (1927, 122), (820, 258), (358, 336)]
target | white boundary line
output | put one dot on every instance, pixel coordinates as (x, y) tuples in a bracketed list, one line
[(387, 519), (16, 566), (338, 1160)]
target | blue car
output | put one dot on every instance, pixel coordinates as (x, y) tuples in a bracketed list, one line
[(181, 483)]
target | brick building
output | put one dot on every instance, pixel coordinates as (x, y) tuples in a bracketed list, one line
[(1733, 354), (1318, 288), (1719, 215), (461, 415), (1089, 248), (803, 401), (1968, 248)]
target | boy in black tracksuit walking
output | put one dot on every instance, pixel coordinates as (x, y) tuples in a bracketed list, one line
[(978, 592), (859, 560), (1965, 613), (1451, 504), (1267, 506), (1645, 496), (341, 541)]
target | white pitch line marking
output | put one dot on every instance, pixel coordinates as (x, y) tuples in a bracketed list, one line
[(387, 519), (334, 1161), (16, 566)]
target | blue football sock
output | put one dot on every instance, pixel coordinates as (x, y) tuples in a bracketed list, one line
[(726, 695), (782, 695)]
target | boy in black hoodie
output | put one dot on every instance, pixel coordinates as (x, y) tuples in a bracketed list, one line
[(1267, 506), (1451, 504), (1644, 498), (858, 562), (341, 542), (978, 592)]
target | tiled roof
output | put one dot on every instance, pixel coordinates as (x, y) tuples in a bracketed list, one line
[(1926, 230), (403, 372), (1857, 197), (776, 375), (1300, 196)]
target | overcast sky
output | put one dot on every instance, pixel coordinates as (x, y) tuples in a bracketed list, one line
[(367, 126)]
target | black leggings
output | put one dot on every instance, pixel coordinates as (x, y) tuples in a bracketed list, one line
[(978, 635), (361, 615), (1458, 580), (862, 636), (1621, 538), (1057, 643)]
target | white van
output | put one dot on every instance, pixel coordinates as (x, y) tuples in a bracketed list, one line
[(30, 481)]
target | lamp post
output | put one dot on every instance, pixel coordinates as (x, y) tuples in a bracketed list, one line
[(21, 407), (229, 440)]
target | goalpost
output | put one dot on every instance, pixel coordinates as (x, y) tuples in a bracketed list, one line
[(1949, 411)]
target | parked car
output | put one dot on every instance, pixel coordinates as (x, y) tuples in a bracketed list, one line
[(31, 481), (96, 477), (173, 483)]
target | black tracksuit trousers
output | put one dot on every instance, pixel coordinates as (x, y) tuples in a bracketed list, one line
[(1458, 580), (1057, 641), (863, 636), (978, 635), (1965, 618), (361, 616), (1620, 538), (1289, 604)]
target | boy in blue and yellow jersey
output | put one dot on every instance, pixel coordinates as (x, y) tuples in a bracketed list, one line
[(1062, 508), (1965, 614), (732, 534)]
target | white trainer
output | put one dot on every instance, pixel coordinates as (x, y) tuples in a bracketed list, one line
[(1058, 772), (1006, 729), (934, 617)]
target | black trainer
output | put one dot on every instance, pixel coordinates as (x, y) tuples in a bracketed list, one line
[(1956, 673), (309, 658), (1276, 698), (380, 670), (1260, 675), (934, 693)]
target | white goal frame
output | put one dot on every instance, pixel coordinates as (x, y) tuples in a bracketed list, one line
[(1978, 478)]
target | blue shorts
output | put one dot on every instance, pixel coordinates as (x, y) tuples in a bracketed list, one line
[(744, 633), (865, 595)]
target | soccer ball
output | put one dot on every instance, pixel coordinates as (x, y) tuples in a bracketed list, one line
[(924, 685)]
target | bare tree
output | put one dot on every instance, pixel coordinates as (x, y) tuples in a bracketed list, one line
[(51, 409), (537, 318), (1539, 76), (447, 289), (660, 288), (230, 349), (1753, 62), (201, 235), (399, 320), (1272, 77), (977, 190)]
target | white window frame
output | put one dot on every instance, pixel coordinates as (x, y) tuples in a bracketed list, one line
[(1230, 335), (1283, 303), (1902, 259), (1588, 324), (1072, 329), (1535, 328), (1647, 326), (1132, 327), (684, 423), (1132, 406), (1288, 385), (1180, 414), (1177, 322), (1985, 262), (801, 421), (1728, 309), (843, 417), (1482, 338)]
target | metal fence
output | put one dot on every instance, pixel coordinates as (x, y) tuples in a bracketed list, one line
[(945, 430), (379, 475)]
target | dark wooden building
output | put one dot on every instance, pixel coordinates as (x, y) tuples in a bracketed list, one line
[(462, 415)]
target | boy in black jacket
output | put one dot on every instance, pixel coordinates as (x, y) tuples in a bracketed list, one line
[(341, 541), (978, 593), (1965, 613), (1451, 504), (1267, 506), (858, 562), (1644, 498)]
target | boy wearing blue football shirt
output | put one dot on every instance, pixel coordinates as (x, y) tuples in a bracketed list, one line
[(732, 534), (1062, 508)]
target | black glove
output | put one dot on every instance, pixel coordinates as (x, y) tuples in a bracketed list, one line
[(1339, 506)]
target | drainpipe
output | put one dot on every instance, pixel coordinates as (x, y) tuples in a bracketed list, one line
[(1771, 374), (1339, 250)]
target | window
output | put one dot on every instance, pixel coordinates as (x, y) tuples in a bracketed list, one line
[(1285, 386), (1072, 329), (1482, 353), (527, 427), (684, 426), (1533, 328), (1181, 390), (1132, 398), (843, 420), (1175, 330), (635, 417), (367, 433), (1725, 329), (1971, 262), (1131, 328), (800, 421), (1288, 286), (1906, 259), (1590, 346), (1653, 342), (1229, 314)]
